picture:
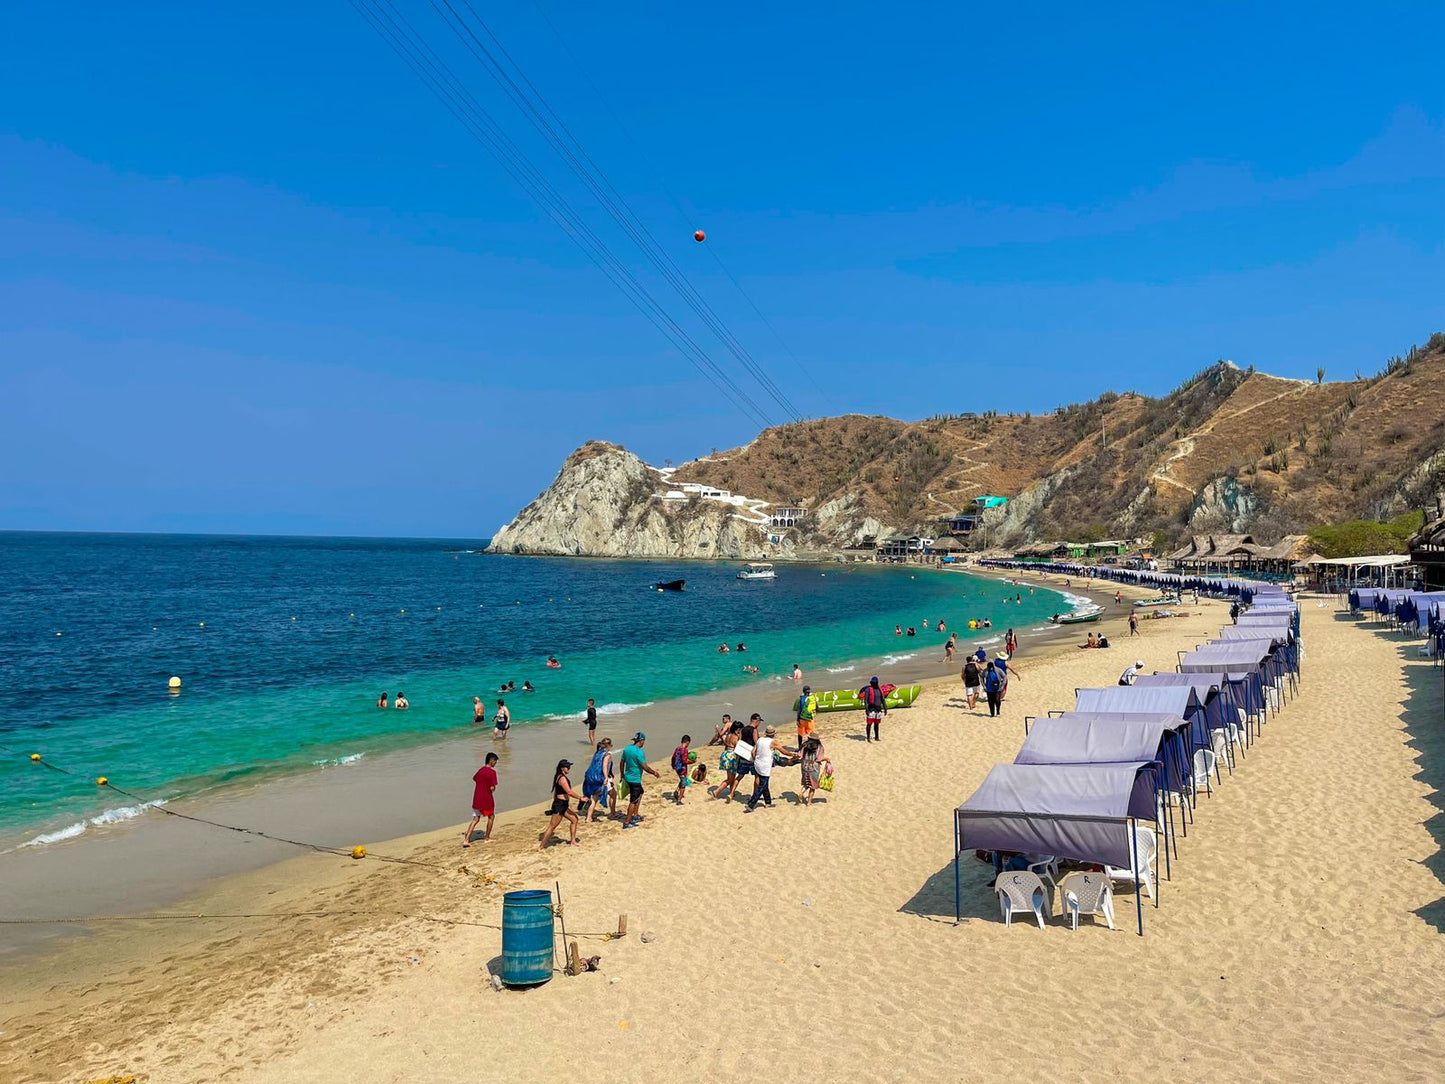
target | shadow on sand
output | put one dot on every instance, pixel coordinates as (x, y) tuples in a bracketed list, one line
[(1424, 719)]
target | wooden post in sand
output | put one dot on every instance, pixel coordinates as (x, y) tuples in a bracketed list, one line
[(621, 925)]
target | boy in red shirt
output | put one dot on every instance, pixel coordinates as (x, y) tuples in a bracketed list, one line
[(484, 803)]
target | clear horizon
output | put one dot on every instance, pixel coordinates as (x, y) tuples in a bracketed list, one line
[(260, 282)]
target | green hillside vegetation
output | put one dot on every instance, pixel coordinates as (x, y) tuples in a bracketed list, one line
[(1365, 537)]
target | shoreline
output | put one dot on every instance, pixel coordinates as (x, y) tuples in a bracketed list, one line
[(376, 965), (156, 860), (393, 800)]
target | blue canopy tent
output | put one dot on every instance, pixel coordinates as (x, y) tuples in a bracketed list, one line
[(1280, 638), (1083, 737), (1243, 661), (1287, 617), (1221, 699), (1083, 812), (1150, 700)]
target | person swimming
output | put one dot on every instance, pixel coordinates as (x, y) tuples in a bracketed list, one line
[(382, 702), (527, 687), (742, 646), (723, 649), (552, 663)]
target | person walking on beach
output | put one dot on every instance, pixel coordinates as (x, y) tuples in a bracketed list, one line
[(597, 780), (763, 769), (1134, 624), (814, 762), (502, 721), (993, 689), (805, 709), (1005, 668), (875, 706), (972, 681), (484, 799), (479, 711), (634, 763), (561, 792), (679, 765), (729, 764), (1234, 612), (948, 647), (1010, 643), (591, 721)]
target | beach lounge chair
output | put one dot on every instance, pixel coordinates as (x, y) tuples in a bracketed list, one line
[(1087, 894), (1148, 845), (1022, 891)]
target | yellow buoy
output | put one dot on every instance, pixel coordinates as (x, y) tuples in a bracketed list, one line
[(35, 756), (358, 852), (174, 683), (101, 781)]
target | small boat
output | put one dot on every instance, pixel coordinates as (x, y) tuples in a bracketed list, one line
[(670, 585), (757, 570), (1077, 618), (1163, 601)]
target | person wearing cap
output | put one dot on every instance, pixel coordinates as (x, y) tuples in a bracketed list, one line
[(875, 706), (805, 709), (763, 768), (1128, 676), (634, 763), (561, 792)]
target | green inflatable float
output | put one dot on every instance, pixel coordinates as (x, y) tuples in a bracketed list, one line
[(900, 696)]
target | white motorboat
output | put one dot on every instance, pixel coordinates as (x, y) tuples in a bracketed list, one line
[(757, 570)]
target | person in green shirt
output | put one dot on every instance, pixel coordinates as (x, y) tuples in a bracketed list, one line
[(634, 763)]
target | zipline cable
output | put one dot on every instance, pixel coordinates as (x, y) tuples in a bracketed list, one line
[(534, 106), (687, 219), (396, 31)]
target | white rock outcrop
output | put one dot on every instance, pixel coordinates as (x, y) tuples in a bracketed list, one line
[(606, 502)]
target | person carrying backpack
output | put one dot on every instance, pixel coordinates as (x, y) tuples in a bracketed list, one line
[(993, 689), (875, 706), (804, 711)]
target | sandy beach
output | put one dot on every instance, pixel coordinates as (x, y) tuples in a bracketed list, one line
[(1302, 926)]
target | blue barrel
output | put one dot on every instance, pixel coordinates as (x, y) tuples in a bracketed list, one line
[(527, 937)]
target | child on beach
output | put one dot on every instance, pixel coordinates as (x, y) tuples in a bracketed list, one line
[(679, 765), (484, 802)]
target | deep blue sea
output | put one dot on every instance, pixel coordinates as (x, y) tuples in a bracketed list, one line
[(283, 645)]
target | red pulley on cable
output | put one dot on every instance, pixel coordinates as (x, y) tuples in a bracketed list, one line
[(698, 236)]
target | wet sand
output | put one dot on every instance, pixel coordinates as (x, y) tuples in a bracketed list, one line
[(158, 860)]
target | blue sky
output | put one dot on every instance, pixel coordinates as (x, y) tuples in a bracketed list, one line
[(253, 277)]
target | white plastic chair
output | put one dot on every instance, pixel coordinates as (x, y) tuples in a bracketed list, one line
[(1206, 763), (1087, 894), (1147, 845), (1022, 891), (1046, 867), (1223, 745)]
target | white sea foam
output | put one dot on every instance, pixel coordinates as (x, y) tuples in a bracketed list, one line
[(350, 758), (47, 838), (893, 659), (990, 640), (840, 669), (108, 816), (621, 709), (124, 813)]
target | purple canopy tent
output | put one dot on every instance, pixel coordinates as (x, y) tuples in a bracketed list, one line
[(1241, 660), (1218, 694), (1148, 700), (1083, 812)]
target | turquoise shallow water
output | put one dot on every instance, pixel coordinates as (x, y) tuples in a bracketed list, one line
[(283, 646)]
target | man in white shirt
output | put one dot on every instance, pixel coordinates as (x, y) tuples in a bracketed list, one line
[(1128, 676), (763, 768)]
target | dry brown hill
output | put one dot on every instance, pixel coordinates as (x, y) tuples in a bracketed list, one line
[(1226, 450)]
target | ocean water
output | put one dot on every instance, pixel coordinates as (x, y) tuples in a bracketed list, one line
[(284, 644)]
